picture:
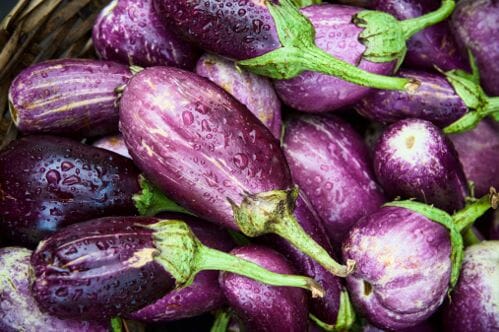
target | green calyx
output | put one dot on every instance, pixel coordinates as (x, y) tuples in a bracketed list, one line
[(299, 53), (116, 324), (345, 319), (222, 320), (306, 3), (182, 254), (272, 212)]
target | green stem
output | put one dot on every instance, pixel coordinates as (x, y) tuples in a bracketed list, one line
[(306, 3), (470, 237), (116, 324), (466, 217), (222, 320), (345, 318), (414, 25)]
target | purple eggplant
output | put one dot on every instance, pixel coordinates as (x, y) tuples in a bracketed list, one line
[(114, 144), (359, 3), (116, 265), (262, 307), (414, 159), (204, 294), (130, 32), (331, 164), (19, 310), (253, 91), (474, 303), (423, 327), (73, 97), (493, 233), (478, 153), (475, 25), (210, 154)]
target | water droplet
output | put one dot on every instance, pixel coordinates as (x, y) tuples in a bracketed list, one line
[(241, 160), (187, 118), (61, 292), (72, 180), (53, 177), (66, 166)]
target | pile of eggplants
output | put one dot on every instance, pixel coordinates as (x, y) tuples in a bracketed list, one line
[(192, 175)]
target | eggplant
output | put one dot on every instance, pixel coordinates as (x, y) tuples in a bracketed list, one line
[(474, 303), (332, 165), (71, 97), (19, 310), (474, 25), (204, 294), (130, 32), (433, 46), (114, 144), (116, 265), (262, 307), (414, 159), (253, 91), (211, 155), (423, 327), (493, 233)]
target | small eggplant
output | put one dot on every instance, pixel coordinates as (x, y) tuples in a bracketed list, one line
[(253, 91), (113, 266), (213, 156), (414, 159), (331, 164), (73, 97), (204, 294), (114, 144), (474, 303), (130, 32), (262, 307), (19, 310)]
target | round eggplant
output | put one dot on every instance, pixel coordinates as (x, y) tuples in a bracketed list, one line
[(114, 144)]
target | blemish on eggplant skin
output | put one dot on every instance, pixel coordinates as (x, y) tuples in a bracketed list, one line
[(368, 288), (409, 141)]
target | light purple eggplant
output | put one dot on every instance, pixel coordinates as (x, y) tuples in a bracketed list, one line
[(253, 91), (262, 307), (213, 156), (359, 3), (114, 144), (478, 153), (330, 162), (433, 46), (19, 310), (71, 97), (113, 266), (423, 327), (414, 159), (474, 303), (130, 32), (204, 294), (475, 24)]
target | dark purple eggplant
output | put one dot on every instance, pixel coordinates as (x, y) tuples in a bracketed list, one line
[(414, 159), (210, 154), (331, 164), (474, 303), (253, 91), (204, 294), (113, 266), (262, 307), (130, 32), (475, 27), (72, 97), (19, 310), (115, 144)]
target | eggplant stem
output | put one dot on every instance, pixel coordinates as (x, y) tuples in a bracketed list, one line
[(412, 26), (469, 237), (222, 320), (464, 218), (345, 318)]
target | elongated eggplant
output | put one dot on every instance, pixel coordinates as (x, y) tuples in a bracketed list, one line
[(414, 159), (130, 32), (253, 91), (115, 265), (210, 154), (19, 310), (73, 97), (204, 294), (262, 307), (114, 144), (331, 164)]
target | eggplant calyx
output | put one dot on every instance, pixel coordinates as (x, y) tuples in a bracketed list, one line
[(345, 319), (414, 25), (272, 212), (222, 320), (464, 218)]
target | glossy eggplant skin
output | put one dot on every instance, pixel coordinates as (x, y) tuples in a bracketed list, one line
[(197, 143), (204, 294), (48, 182), (114, 144), (475, 27), (331, 164), (477, 150), (130, 32), (435, 101), (19, 310), (397, 286), (474, 304), (70, 97), (262, 307), (99, 269), (253, 91), (414, 159), (433, 46), (336, 34)]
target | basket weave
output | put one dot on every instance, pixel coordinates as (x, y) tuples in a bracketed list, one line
[(37, 30)]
